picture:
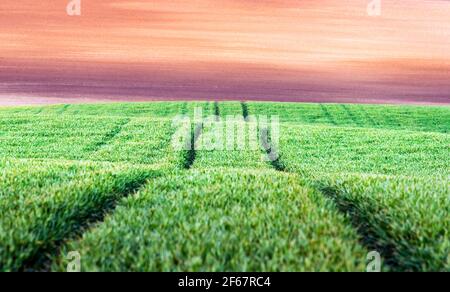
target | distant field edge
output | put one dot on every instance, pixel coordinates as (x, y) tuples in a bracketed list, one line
[(38, 101)]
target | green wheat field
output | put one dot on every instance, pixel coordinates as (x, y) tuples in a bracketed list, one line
[(104, 180)]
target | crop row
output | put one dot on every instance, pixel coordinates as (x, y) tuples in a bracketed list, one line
[(43, 203), (54, 137), (314, 150), (393, 184), (406, 219), (136, 140), (414, 118)]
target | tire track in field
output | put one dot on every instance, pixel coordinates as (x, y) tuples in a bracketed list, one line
[(244, 110), (184, 108), (369, 238), (368, 116), (328, 114), (352, 116), (273, 155), (42, 263), (217, 110), (38, 111), (108, 137), (63, 109), (391, 121), (191, 154)]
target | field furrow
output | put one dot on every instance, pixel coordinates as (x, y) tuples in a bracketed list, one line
[(232, 142), (44, 203), (108, 137), (406, 220)]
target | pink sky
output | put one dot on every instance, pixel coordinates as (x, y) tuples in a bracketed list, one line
[(259, 49)]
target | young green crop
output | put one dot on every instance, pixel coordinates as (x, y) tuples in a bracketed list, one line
[(313, 150), (228, 212), (406, 219), (238, 145), (87, 137), (230, 108), (54, 136), (221, 221), (403, 117), (44, 203), (140, 141)]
